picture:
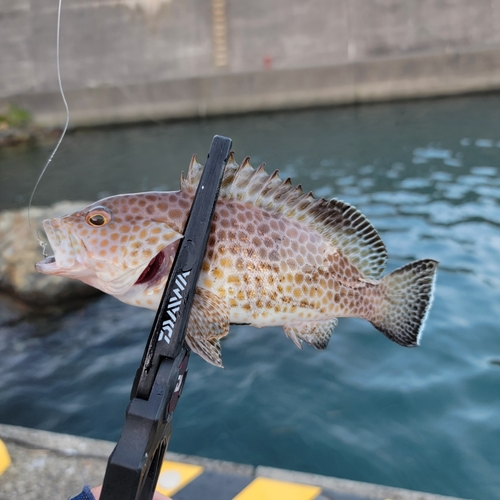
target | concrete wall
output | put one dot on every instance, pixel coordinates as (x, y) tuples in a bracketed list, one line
[(126, 60)]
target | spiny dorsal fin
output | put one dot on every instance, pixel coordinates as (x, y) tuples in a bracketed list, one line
[(193, 175), (342, 224), (190, 182)]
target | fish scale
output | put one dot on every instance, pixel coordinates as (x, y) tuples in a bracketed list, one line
[(275, 256)]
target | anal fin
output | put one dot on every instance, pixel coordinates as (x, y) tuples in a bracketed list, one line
[(315, 333), (208, 323)]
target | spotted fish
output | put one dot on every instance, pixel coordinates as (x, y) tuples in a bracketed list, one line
[(275, 256)]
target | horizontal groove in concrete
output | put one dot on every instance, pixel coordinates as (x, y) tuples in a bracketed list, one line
[(378, 79)]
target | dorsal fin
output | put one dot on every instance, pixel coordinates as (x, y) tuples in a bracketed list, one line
[(341, 224)]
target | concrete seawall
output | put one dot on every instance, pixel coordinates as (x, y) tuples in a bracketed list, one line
[(50, 466), (131, 60)]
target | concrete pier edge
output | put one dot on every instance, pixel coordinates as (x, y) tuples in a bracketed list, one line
[(377, 79), (47, 466)]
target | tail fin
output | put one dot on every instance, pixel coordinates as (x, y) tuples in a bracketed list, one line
[(408, 293)]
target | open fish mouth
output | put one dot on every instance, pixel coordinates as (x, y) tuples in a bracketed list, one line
[(67, 248), (46, 265)]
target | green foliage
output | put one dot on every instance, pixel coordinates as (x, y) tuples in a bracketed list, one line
[(15, 117)]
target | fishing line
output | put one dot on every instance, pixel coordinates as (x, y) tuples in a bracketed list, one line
[(40, 241)]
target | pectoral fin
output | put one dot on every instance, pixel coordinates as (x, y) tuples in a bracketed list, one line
[(208, 323), (315, 333)]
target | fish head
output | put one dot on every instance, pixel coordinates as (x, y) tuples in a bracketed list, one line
[(116, 245)]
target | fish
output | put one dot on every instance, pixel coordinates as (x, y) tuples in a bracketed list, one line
[(276, 256)]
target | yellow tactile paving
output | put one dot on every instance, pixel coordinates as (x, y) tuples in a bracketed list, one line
[(4, 457), (175, 475), (270, 489)]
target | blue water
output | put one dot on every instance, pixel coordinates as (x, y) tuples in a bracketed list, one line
[(427, 176)]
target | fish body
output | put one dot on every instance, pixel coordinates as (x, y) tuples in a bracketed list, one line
[(276, 256)]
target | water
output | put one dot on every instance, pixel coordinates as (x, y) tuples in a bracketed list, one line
[(426, 175)]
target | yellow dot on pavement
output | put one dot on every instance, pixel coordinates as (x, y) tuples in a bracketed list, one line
[(175, 475), (270, 489), (4, 457)]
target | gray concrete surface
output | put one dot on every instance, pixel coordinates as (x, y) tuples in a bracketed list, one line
[(131, 60), (50, 466)]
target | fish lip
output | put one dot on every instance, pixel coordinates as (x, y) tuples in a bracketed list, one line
[(47, 265)]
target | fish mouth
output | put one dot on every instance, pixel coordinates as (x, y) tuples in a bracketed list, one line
[(47, 265), (65, 246)]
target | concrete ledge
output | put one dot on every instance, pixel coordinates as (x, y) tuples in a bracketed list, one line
[(418, 76), (49, 466), (357, 488)]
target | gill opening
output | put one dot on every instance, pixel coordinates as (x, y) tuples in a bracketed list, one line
[(42, 243)]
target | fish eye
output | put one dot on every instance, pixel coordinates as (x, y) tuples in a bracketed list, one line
[(98, 217)]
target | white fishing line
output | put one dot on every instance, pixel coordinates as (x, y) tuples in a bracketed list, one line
[(58, 45)]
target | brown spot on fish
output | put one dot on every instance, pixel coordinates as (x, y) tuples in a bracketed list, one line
[(263, 229), (175, 213), (184, 204), (259, 280)]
